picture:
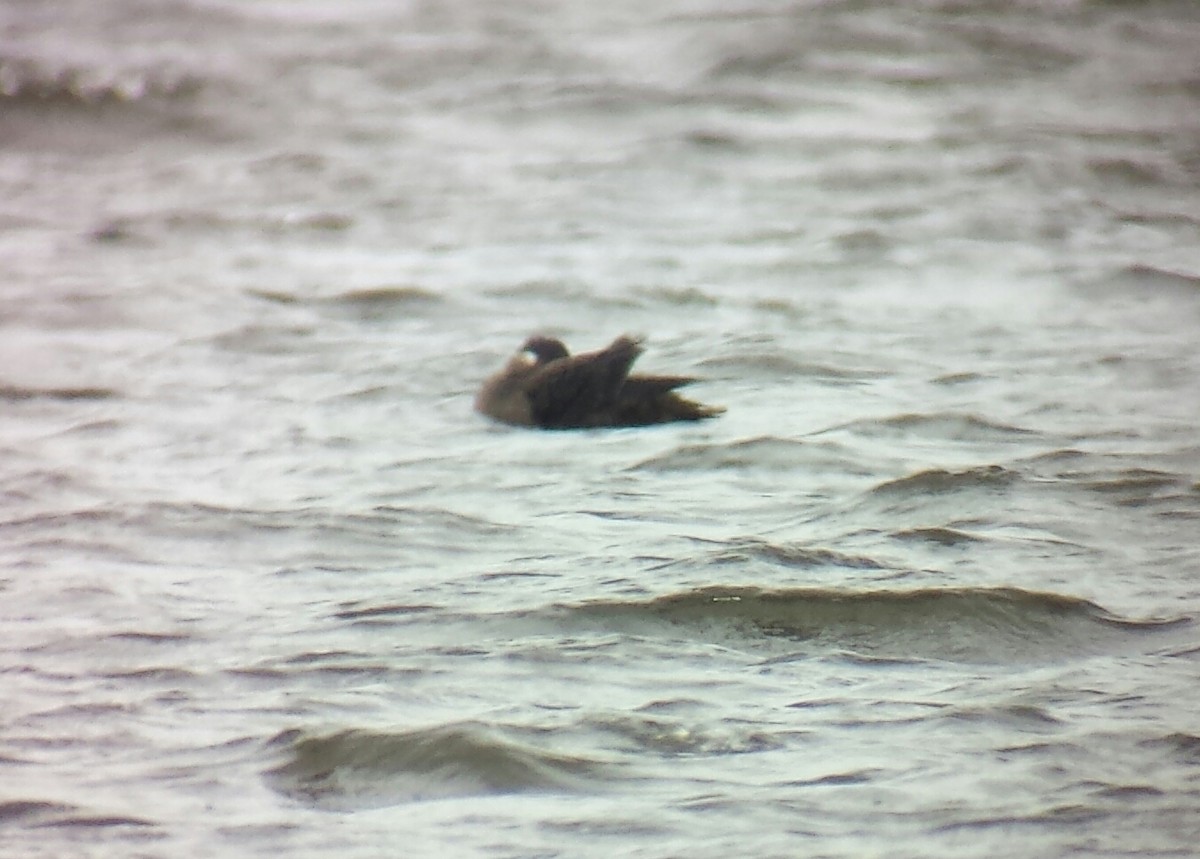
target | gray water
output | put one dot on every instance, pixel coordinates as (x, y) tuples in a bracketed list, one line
[(930, 587)]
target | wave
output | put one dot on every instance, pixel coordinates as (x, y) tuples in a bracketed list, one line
[(53, 81), (972, 625), (363, 768), (1124, 480), (1135, 487), (976, 625), (939, 480)]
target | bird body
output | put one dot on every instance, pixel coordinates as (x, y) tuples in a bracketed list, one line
[(545, 386)]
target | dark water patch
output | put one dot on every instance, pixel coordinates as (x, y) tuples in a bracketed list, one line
[(1179, 745), (939, 425), (374, 298), (781, 306), (378, 523), (756, 364), (669, 706), (370, 769), (1135, 171), (1118, 479), (940, 536), (1013, 715), (285, 299), (1067, 816), (61, 83), (974, 625), (846, 779), (290, 223), (44, 814), (98, 821), (1125, 792), (368, 304), (863, 244), (280, 538), (32, 811), (950, 379), (102, 427), (1066, 454), (666, 737), (59, 103), (529, 574), (117, 231), (259, 339), (156, 675), (18, 393), (1042, 749), (852, 657), (318, 221), (776, 364), (573, 293), (610, 96), (1150, 278), (382, 612), (139, 637), (677, 297), (1136, 487), (372, 393), (787, 554), (325, 666), (715, 140), (1188, 651), (33, 548), (762, 452), (938, 481), (1163, 218), (767, 451)]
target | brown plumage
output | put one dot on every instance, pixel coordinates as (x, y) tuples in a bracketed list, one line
[(545, 386)]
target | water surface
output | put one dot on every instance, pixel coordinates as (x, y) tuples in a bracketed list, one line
[(928, 588)]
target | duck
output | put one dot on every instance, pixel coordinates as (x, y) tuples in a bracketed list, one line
[(546, 387)]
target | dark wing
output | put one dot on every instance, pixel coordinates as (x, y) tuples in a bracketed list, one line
[(581, 390), (653, 400)]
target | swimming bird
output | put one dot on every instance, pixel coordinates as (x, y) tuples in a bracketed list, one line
[(545, 386)]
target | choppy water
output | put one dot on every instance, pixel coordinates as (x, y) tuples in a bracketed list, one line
[(929, 588)]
